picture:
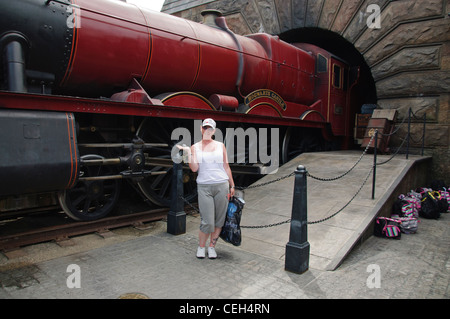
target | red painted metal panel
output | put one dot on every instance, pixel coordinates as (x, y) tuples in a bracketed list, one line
[(257, 66), (117, 42), (291, 70), (109, 51)]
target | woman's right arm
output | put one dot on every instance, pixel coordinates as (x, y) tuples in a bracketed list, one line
[(191, 156)]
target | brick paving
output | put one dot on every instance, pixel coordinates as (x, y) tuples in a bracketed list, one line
[(162, 266)]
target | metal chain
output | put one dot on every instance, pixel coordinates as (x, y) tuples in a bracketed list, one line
[(189, 204), (394, 132), (267, 226), (345, 206), (414, 141), (266, 183), (346, 173), (247, 227), (395, 154)]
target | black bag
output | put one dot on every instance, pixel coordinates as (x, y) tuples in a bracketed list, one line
[(437, 185), (387, 228), (431, 206), (397, 207), (231, 230)]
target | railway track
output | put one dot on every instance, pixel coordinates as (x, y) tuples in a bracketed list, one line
[(63, 231)]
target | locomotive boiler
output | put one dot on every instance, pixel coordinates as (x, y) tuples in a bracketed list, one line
[(91, 91)]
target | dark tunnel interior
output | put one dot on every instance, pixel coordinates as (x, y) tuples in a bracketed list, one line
[(340, 47)]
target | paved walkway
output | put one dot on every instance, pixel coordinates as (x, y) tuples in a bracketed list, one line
[(159, 265)]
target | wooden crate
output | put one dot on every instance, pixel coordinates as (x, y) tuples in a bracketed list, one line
[(361, 122), (384, 126)]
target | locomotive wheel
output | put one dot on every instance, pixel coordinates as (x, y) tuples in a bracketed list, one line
[(293, 145), (90, 200), (158, 188)]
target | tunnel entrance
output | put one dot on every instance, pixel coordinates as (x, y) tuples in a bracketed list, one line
[(365, 92)]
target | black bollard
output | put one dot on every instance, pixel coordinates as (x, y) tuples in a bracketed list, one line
[(374, 164), (176, 219), (297, 249)]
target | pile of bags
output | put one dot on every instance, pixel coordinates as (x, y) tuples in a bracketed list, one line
[(424, 202)]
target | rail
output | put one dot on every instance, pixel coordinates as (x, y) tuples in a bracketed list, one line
[(64, 231)]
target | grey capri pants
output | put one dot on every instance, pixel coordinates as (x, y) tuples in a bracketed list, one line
[(213, 205)]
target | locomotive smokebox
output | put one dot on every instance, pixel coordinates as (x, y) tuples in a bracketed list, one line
[(39, 151)]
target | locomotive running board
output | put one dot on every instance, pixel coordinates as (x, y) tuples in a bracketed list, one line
[(31, 101)]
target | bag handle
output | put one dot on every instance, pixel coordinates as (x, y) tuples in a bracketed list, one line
[(389, 219)]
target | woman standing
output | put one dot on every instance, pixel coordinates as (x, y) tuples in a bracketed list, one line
[(214, 184)]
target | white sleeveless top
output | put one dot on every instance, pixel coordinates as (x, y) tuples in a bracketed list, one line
[(211, 170)]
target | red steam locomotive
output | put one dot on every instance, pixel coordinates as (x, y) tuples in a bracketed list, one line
[(91, 91)]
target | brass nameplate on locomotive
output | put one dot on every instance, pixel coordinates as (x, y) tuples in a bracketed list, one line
[(268, 94)]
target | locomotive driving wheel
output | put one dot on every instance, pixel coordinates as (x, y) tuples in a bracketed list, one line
[(158, 188), (92, 199)]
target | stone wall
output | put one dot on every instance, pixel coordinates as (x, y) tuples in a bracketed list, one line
[(408, 56)]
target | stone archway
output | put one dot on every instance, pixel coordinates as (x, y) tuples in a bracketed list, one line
[(406, 55)]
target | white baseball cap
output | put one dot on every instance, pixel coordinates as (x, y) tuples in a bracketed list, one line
[(209, 122)]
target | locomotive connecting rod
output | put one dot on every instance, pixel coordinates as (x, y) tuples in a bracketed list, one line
[(112, 177), (106, 161), (124, 145)]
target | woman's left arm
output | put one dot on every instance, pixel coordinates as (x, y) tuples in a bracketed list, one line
[(227, 168)]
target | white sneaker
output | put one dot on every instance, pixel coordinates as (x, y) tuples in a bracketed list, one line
[(201, 252), (212, 253)]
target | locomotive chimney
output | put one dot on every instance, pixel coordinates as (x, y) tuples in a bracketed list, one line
[(210, 17)]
